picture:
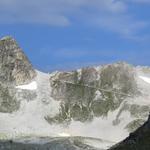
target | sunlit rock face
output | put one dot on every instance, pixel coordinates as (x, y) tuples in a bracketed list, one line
[(15, 69), (14, 65), (92, 92)]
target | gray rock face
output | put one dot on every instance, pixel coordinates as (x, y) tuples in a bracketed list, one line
[(78, 91), (8, 100), (15, 69), (14, 65)]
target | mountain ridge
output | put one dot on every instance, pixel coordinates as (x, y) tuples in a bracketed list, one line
[(37, 104)]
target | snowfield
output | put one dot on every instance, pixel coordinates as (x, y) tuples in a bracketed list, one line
[(29, 120)]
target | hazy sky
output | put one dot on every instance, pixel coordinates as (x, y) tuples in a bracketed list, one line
[(69, 34)]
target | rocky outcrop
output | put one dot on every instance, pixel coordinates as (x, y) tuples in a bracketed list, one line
[(138, 140), (92, 92), (14, 65), (15, 69)]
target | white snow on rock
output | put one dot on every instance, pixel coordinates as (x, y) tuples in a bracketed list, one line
[(98, 95), (64, 134), (29, 119), (146, 79), (98, 143), (30, 86), (102, 127)]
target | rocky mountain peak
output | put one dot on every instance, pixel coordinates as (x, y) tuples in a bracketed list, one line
[(14, 65)]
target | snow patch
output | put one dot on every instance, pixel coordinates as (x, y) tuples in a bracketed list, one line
[(30, 86), (146, 79), (79, 74), (64, 134), (98, 95)]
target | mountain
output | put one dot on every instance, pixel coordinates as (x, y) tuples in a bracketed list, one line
[(15, 69), (138, 140), (106, 102)]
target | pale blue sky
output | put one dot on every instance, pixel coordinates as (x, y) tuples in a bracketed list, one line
[(69, 34)]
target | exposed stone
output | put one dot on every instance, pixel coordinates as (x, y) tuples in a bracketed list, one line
[(14, 65), (8, 100), (15, 69), (77, 91)]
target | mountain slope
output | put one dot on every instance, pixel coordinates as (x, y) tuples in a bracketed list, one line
[(14, 65), (15, 69), (106, 102), (138, 140)]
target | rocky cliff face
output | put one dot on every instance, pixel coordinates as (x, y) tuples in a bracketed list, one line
[(15, 69), (92, 92), (14, 65)]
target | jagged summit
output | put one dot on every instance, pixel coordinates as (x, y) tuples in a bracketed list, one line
[(15, 69), (8, 37), (14, 65)]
